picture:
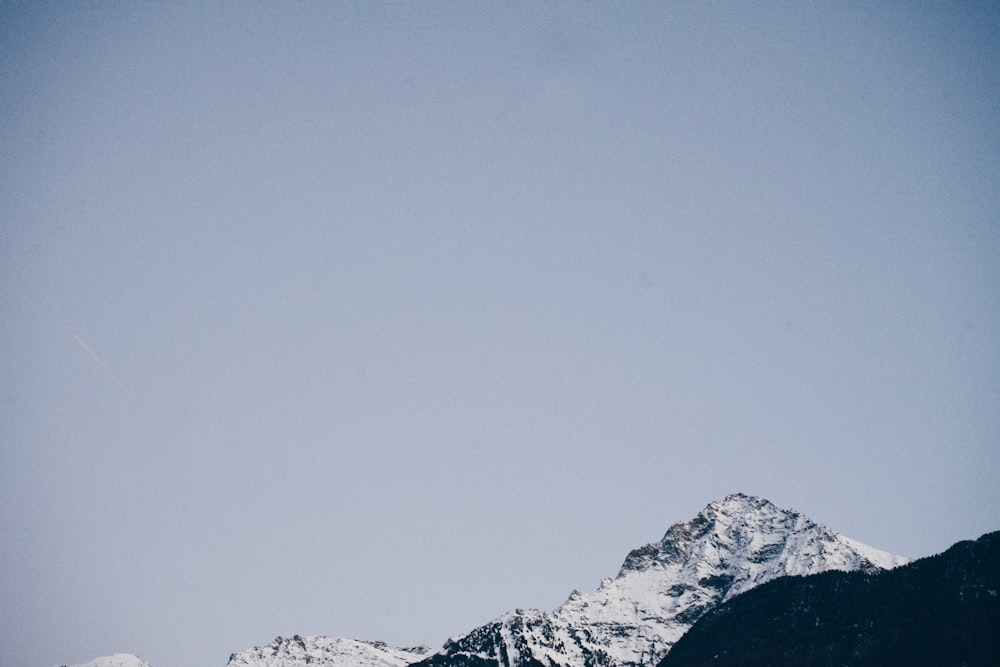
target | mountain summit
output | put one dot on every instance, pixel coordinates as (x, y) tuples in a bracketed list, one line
[(662, 588), (633, 619), (116, 660)]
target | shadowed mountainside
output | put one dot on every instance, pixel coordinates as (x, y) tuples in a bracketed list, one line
[(942, 610)]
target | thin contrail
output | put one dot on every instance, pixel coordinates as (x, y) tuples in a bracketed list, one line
[(93, 355)]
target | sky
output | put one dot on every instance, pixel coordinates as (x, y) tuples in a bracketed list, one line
[(378, 320)]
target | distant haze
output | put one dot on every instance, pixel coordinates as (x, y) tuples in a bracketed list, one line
[(378, 320)]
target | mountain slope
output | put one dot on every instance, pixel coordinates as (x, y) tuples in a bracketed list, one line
[(116, 660), (943, 610), (663, 588), (325, 651)]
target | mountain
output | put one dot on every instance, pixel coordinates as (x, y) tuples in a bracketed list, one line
[(662, 588), (631, 620), (325, 651), (116, 660), (943, 610)]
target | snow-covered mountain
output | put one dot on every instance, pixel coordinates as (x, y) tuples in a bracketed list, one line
[(631, 620), (662, 588), (116, 660), (323, 651)]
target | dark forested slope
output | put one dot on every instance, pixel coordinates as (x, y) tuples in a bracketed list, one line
[(942, 610)]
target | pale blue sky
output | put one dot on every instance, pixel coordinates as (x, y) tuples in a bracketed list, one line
[(377, 320)]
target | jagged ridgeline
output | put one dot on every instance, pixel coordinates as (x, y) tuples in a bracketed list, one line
[(943, 610), (743, 583), (632, 619)]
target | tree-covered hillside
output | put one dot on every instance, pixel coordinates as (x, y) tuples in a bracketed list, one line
[(943, 610)]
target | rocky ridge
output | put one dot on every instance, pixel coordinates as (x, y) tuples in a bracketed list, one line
[(663, 588), (632, 619)]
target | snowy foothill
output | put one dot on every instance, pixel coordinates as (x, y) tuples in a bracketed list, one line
[(116, 660)]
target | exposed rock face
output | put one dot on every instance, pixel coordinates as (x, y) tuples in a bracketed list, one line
[(631, 620), (663, 588)]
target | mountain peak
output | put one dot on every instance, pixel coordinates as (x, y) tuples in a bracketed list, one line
[(732, 545), (330, 651), (116, 660), (742, 508), (732, 521), (741, 502), (631, 620)]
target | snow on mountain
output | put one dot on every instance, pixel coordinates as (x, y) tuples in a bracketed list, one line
[(662, 588), (116, 660), (322, 651), (631, 620)]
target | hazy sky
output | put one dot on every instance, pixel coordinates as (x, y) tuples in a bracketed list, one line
[(377, 320)]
